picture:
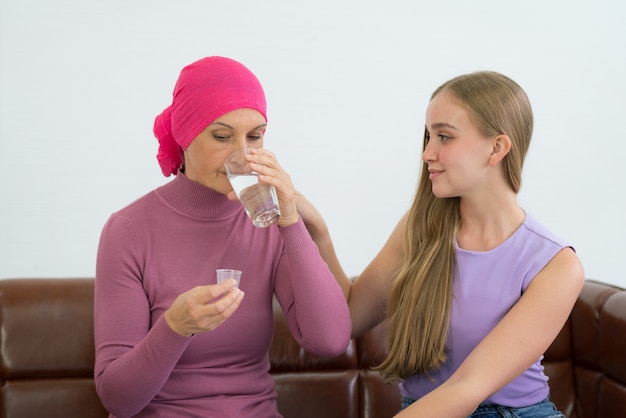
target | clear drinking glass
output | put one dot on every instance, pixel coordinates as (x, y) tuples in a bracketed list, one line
[(258, 200)]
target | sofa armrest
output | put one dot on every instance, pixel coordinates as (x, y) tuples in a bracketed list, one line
[(586, 364), (47, 348)]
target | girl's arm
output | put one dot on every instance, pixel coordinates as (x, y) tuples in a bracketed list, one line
[(367, 295)]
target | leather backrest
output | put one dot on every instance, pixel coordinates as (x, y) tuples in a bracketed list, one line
[(310, 386)]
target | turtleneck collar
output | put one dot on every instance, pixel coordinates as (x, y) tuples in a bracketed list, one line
[(196, 200)]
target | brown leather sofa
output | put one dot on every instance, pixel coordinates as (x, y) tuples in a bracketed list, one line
[(47, 354)]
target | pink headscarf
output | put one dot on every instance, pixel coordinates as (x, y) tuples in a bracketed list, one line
[(205, 90)]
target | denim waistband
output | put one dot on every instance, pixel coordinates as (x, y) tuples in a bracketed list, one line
[(543, 409)]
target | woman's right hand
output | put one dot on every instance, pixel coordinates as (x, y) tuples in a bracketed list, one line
[(203, 308)]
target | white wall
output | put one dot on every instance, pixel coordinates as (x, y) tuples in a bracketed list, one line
[(347, 85)]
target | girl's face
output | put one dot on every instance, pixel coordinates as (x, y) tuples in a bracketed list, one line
[(457, 154), (205, 155)]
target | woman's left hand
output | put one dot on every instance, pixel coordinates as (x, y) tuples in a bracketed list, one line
[(270, 172)]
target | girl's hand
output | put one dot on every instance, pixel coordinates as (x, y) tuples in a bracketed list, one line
[(313, 220)]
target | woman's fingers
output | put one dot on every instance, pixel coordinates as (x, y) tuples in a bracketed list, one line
[(203, 308), (220, 309), (265, 163)]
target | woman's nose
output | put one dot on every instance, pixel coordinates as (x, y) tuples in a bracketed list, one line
[(240, 143)]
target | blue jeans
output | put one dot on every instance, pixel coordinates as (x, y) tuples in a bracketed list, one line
[(543, 409)]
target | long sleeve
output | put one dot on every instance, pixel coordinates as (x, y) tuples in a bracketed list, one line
[(133, 359), (316, 310)]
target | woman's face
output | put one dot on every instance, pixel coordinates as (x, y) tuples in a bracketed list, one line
[(205, 155), (457, 154)]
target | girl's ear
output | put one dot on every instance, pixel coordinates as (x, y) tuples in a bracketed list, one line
[(501, 147)]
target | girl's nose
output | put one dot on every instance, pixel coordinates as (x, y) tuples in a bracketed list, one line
[(429, 152)]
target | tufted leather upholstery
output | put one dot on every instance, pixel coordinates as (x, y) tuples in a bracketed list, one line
[(47, 354), (341, 387), (587, 361)]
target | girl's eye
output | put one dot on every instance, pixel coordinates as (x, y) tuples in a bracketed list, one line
[(427, 136), (443, 137)]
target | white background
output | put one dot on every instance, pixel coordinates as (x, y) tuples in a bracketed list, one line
[(347, 84)]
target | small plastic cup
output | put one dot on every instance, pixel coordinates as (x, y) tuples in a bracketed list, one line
[(225, 274)]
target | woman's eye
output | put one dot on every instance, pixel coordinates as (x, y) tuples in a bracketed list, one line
[(220, 138), (443, 137), (254, 137)]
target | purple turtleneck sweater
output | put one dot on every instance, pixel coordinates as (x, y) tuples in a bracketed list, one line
[(166, 243)]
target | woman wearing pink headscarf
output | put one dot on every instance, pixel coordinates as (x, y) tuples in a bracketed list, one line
[(170, 342)]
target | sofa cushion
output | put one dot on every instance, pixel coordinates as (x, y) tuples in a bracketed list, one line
[(47, 354)]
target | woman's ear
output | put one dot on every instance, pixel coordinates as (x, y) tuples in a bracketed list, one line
[(182, 157), (501, 147)]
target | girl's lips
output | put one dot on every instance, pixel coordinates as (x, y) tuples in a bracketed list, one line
[(434, 173)]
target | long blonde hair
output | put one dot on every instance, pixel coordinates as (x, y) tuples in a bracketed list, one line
[(420, 300)]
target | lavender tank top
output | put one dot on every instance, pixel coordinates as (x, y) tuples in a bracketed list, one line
[(486, 285)]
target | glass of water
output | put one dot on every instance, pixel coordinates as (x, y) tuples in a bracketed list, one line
[(258, 200)]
